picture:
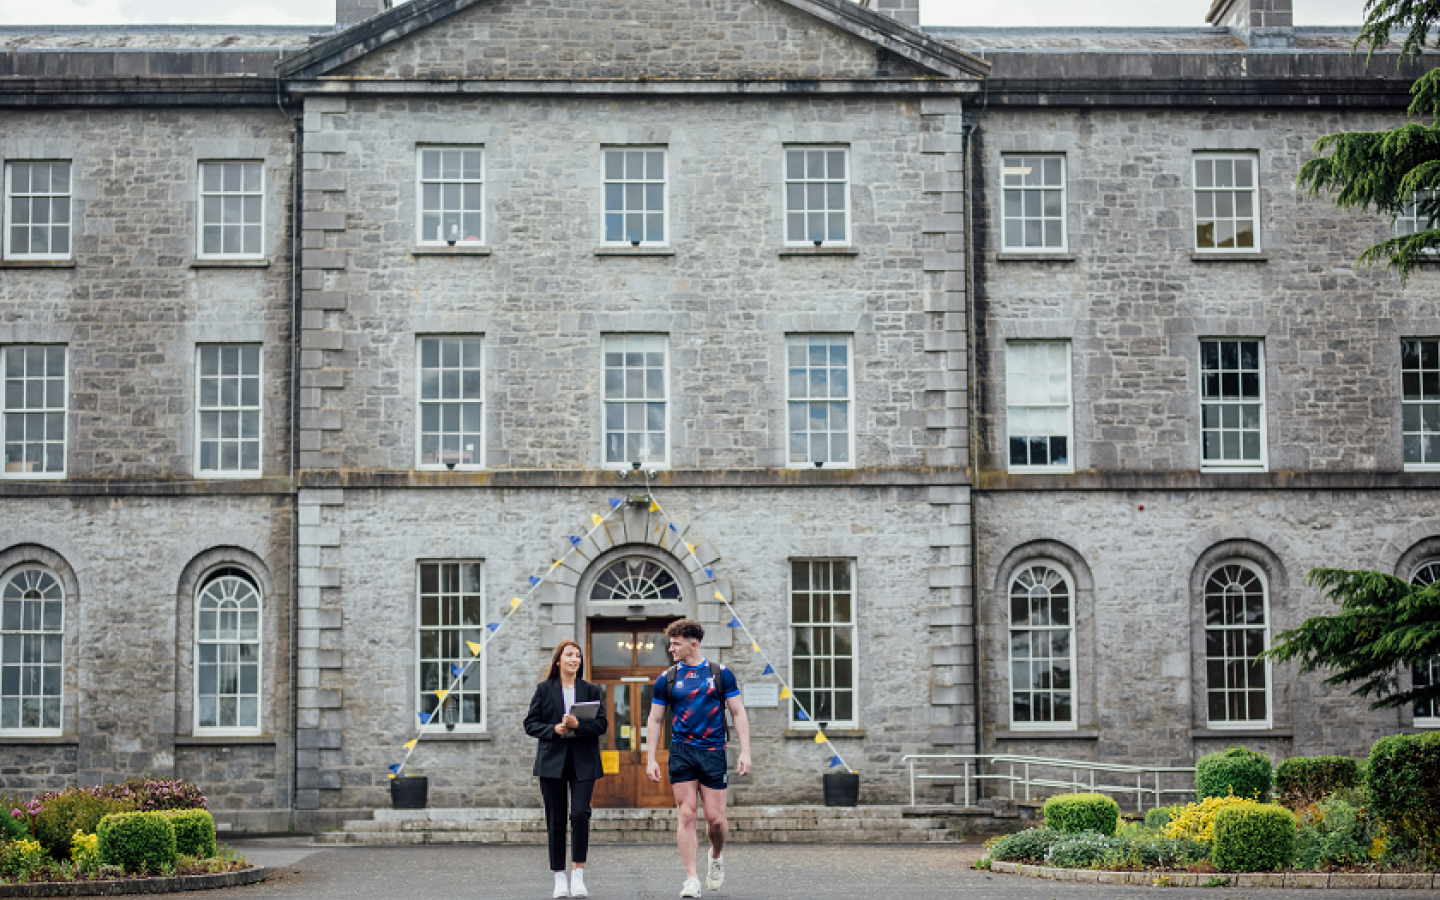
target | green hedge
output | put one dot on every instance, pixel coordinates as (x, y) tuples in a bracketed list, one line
[(1302, 780), (1403, 778), (1253, 837), (1073, 813), (137, 841), (1156, 818), (194, 831), (1242, 772), (63, 814)]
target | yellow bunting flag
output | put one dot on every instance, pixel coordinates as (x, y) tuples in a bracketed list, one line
[(410, 744), (442, 695), (555, 564), (474, 648), (754, 646), (784, 693), (595, 519), (719, 596), (820, 737), (690, 547), (392, 777), (515, 602), (654, 507)]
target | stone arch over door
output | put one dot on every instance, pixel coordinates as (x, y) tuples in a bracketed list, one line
[(637, 534)]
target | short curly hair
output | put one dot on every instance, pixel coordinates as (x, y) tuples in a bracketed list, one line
[(688, 629)]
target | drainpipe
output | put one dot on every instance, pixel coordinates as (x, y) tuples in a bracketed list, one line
[(969, 127), (297, 217)]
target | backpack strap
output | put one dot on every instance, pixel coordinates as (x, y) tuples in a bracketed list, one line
[(715, 677)]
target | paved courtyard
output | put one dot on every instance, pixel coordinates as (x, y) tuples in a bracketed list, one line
[(300, 871)]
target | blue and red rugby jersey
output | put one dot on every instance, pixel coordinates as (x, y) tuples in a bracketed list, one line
[(699, 717)]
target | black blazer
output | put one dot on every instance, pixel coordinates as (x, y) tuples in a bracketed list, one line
[(547, 708)]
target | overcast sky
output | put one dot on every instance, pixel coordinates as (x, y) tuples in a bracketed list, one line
[(935, 12)]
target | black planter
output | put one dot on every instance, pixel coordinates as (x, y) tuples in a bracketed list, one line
[(411, 792), (842, 788)]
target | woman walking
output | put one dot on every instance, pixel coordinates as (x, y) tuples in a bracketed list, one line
[(568, 758)]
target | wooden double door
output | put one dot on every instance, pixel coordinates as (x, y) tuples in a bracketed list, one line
[(625, 658)]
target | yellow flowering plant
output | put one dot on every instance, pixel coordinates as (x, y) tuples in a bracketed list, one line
[(85, 852), (1196, 821)]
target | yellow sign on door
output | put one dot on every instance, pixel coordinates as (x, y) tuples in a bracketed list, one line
[(610, 762)]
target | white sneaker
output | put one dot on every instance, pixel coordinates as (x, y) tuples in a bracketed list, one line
[(691, 888), (715, 876), (562, 887), (577, 883)]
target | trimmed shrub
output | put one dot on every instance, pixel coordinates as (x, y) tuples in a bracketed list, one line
[(1085, 850), (1025, 846), (1157, 818), (1237, 771), (1254, 837), (1302, 780), (1074, 813), (61, 815), (137, 841), (1196, 821), (194, 831), (1403, 779)]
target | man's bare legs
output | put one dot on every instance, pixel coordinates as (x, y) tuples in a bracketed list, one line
[(716, 825), (686, 799)]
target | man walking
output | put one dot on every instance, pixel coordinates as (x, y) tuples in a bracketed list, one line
[(697, 692)]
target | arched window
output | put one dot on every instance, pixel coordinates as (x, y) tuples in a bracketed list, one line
[(1427, 712), (32, 627), (227, 650), (1237, 631), (1042, 648), (635, 580)]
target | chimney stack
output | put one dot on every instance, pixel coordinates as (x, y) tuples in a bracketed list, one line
[(353, 12), (1262, 24), (906, 12)]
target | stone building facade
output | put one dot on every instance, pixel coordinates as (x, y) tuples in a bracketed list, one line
[(418, 419)]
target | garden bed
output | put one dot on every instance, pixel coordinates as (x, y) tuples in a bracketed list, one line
[(118, 886), (1389, 880)]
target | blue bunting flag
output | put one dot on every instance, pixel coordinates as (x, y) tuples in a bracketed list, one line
[(800, 714), (735, 622), (769, 670)]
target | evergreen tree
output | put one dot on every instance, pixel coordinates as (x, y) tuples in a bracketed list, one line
[(1385, 626), (1389, 170)]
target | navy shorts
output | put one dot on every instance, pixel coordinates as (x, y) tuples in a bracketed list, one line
[(689, 763)]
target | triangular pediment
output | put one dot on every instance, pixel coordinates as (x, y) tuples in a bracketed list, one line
[(618, 39)]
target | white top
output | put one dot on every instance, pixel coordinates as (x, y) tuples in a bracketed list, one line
[(569, 697)]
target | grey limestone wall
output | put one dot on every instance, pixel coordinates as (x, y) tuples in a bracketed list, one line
[(644, 38), (746, 536), (1134, 303), (1139, 560), (135, 302)]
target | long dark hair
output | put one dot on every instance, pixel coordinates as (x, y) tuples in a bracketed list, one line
[(554, 671)]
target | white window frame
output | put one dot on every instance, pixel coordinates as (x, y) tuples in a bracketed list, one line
[(1064, 188), (811, 724), (1405, 403), (1408, 221), (1195, 191), (1010, 628), (201, 194), (5, 413), (1433, 565), (420, 182), (1246, 724), (1052, 468), (221, 730), (649, 463), (1263, 463), (849, 238), (478, 455), (848, 399), (446, 678), (605, 182), (5, 578), (200, 410), (9, 210)]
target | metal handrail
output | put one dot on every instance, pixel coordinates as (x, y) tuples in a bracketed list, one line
[(978, 761)]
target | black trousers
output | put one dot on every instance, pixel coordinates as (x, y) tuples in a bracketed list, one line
[(554, 792)]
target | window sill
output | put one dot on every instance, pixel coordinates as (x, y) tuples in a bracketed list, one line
[(447, 250), (37, 263), (819, 251), (32, 476), (1197, 256), (1237, 470), (1079, 735), (16, 740), (808, 734), (1242, 732), (229, 263), (221, 740), (1034, 257), (634, 251), (454, 736), (1036, 470)]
